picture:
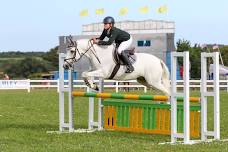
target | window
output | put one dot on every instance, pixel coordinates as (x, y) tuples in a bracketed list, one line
[(142, 43)]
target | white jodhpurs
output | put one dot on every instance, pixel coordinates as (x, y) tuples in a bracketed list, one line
[(124, 45)]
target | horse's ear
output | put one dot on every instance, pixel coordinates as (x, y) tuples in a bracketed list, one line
[(70, 42), (75, 43)]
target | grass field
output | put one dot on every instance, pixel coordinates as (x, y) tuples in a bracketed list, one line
[(26, 117)]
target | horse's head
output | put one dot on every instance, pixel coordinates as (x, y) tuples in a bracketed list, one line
[(75, 51)]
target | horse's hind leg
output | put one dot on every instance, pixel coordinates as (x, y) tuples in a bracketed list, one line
[(152, 84), (157, 83), (161, 87), (142, 81)]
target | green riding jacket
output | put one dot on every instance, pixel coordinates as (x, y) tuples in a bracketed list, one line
[(114, 34)]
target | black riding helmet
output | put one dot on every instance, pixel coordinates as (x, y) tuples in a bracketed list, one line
[(109, 20)]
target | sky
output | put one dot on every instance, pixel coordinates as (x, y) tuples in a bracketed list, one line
[(35, 25)]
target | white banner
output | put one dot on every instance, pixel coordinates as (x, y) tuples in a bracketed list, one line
[(15, 84)]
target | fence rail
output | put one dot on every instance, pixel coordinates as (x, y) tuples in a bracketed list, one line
[(117, 85)]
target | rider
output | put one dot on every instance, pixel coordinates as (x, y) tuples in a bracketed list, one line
[(121, 38)]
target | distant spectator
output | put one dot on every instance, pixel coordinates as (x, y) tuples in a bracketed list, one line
[(181, 71), (6, 77), (126, 89)]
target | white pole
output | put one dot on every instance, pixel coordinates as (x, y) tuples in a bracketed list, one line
[(100, 107), (216, 96), (91, 111), (220, 55), (173, 100), (70, 100), (61, 92), (186, 99), (91, 108), (203, 91)]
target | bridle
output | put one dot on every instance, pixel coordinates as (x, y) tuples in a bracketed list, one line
[(76, 51)]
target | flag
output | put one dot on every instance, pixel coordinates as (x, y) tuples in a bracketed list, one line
[(162, 9), (123, 11), (100, 11), (144, 9), (84, 13)]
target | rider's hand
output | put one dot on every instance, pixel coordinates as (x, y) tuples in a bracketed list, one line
[(95, 41)]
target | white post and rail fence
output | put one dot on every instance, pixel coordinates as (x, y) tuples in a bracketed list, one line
[(112, 84)]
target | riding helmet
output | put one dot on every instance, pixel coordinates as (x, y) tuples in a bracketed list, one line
[(109, 20)]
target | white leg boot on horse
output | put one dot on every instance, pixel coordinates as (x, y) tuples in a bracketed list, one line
[(88, 78)]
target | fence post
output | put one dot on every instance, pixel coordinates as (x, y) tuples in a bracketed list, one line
[(227, 83), (29, 86), (117, 86), (57, 81)]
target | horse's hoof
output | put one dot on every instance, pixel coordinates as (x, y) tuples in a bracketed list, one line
[(95, 87)]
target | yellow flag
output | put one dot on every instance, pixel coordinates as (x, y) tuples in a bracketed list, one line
[(100, 11), (162, 9), (84, 13), (123, 11), (144, 9)]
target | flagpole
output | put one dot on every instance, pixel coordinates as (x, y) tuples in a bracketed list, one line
[(220, 56)]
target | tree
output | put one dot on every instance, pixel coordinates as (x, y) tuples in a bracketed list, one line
[(194, 55), (224, 53), (195, 62), (52, 57), (182, 45), (25, 67)]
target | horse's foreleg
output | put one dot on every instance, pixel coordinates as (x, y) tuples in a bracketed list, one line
[(88, 78)]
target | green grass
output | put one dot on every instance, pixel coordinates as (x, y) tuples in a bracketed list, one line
[(26, 117)]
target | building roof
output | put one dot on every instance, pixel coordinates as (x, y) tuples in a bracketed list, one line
[(133, 27)]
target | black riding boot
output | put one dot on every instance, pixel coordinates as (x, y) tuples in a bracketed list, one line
[(125, 59)]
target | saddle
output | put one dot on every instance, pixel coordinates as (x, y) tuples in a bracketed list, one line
[(119, 62), (131, 55)]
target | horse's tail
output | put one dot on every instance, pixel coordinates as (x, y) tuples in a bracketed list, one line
[(165, 77)]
